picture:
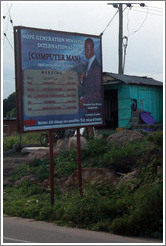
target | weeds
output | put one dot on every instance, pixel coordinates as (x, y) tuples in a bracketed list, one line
[(9, 141), (103, 207)]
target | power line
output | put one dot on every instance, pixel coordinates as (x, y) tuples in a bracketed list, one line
[(141, 24), (9, 17), (10, 14), (145, 12), (6, 27), (7, 10), (155, 7), (8, 41), (110, 22), (129, 34), (154, 10)]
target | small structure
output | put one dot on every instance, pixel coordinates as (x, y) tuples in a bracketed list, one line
[(9, 126), (125, 96)]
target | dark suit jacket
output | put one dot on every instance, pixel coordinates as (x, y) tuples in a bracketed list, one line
[(92, 84)]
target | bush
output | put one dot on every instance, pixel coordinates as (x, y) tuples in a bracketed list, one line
[(122, 158), (29, 189), (157, 139), (27, 138), (134, 212), (42, 172), (146, 215), (46, 213), (9, 141), (86, 210), (64, 169), (95, 147)]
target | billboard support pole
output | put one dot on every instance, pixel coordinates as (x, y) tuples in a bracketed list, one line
[(79, 161), (51, 167)]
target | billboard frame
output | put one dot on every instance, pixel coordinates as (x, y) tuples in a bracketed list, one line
[(19, 78)]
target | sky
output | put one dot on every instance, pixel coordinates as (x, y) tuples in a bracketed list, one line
[(143, 26)]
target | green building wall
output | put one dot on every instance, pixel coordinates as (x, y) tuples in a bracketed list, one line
[(124, 106), (149, 98)]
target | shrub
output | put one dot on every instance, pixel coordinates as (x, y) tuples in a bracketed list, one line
[(134, 212), (95, 147), (64, 169), (145, 217), (122, 158), (19, 172), (42, 172), (28, 138), (104, 225), (157, 139), (86, 210), (29, 189), (46, 213), (9, 141)]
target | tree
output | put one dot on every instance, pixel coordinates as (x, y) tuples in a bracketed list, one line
[(9, 104)]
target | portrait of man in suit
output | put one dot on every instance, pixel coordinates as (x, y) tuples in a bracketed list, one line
[(91, 80)]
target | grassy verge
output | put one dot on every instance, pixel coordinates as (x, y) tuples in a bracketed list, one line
[(26, 138), (134, 208)]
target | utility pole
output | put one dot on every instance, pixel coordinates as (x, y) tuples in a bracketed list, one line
[(120, 48), (120, 67)]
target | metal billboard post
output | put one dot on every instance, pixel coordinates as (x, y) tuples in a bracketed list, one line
[(51, 167), (79, 161)]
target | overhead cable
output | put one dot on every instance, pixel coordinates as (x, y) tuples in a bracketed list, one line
[(10, 14), (154, 10), (143, 21), (4, 17), (8, 41), (154, 7), (110, 22), (145, 12)]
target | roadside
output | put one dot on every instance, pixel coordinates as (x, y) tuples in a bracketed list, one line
[(122, 185), (19, 230)]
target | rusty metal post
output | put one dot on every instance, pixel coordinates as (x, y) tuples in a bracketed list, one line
[(79, 161), (51, 167)]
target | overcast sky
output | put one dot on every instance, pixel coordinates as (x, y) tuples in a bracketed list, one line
[(142, 25)]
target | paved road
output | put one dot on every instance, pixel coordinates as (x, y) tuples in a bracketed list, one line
[(19, 230)]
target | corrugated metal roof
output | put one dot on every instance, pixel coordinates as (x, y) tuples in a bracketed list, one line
[(130, 79)]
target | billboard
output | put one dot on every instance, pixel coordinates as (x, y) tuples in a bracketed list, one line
[(58, 79)]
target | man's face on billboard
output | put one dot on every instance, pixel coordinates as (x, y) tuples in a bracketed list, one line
[(89, 50)]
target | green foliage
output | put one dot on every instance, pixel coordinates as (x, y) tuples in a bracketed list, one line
[(9, 103), (96, 147), (148, 173), (46, 213), (9, 141), (27, 138), (29, 189), (145, 218), (31, 138), (19, 172), (11, 113), (121, 209), (156, 138), (65, 164), (122, 158), (40, 169)]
